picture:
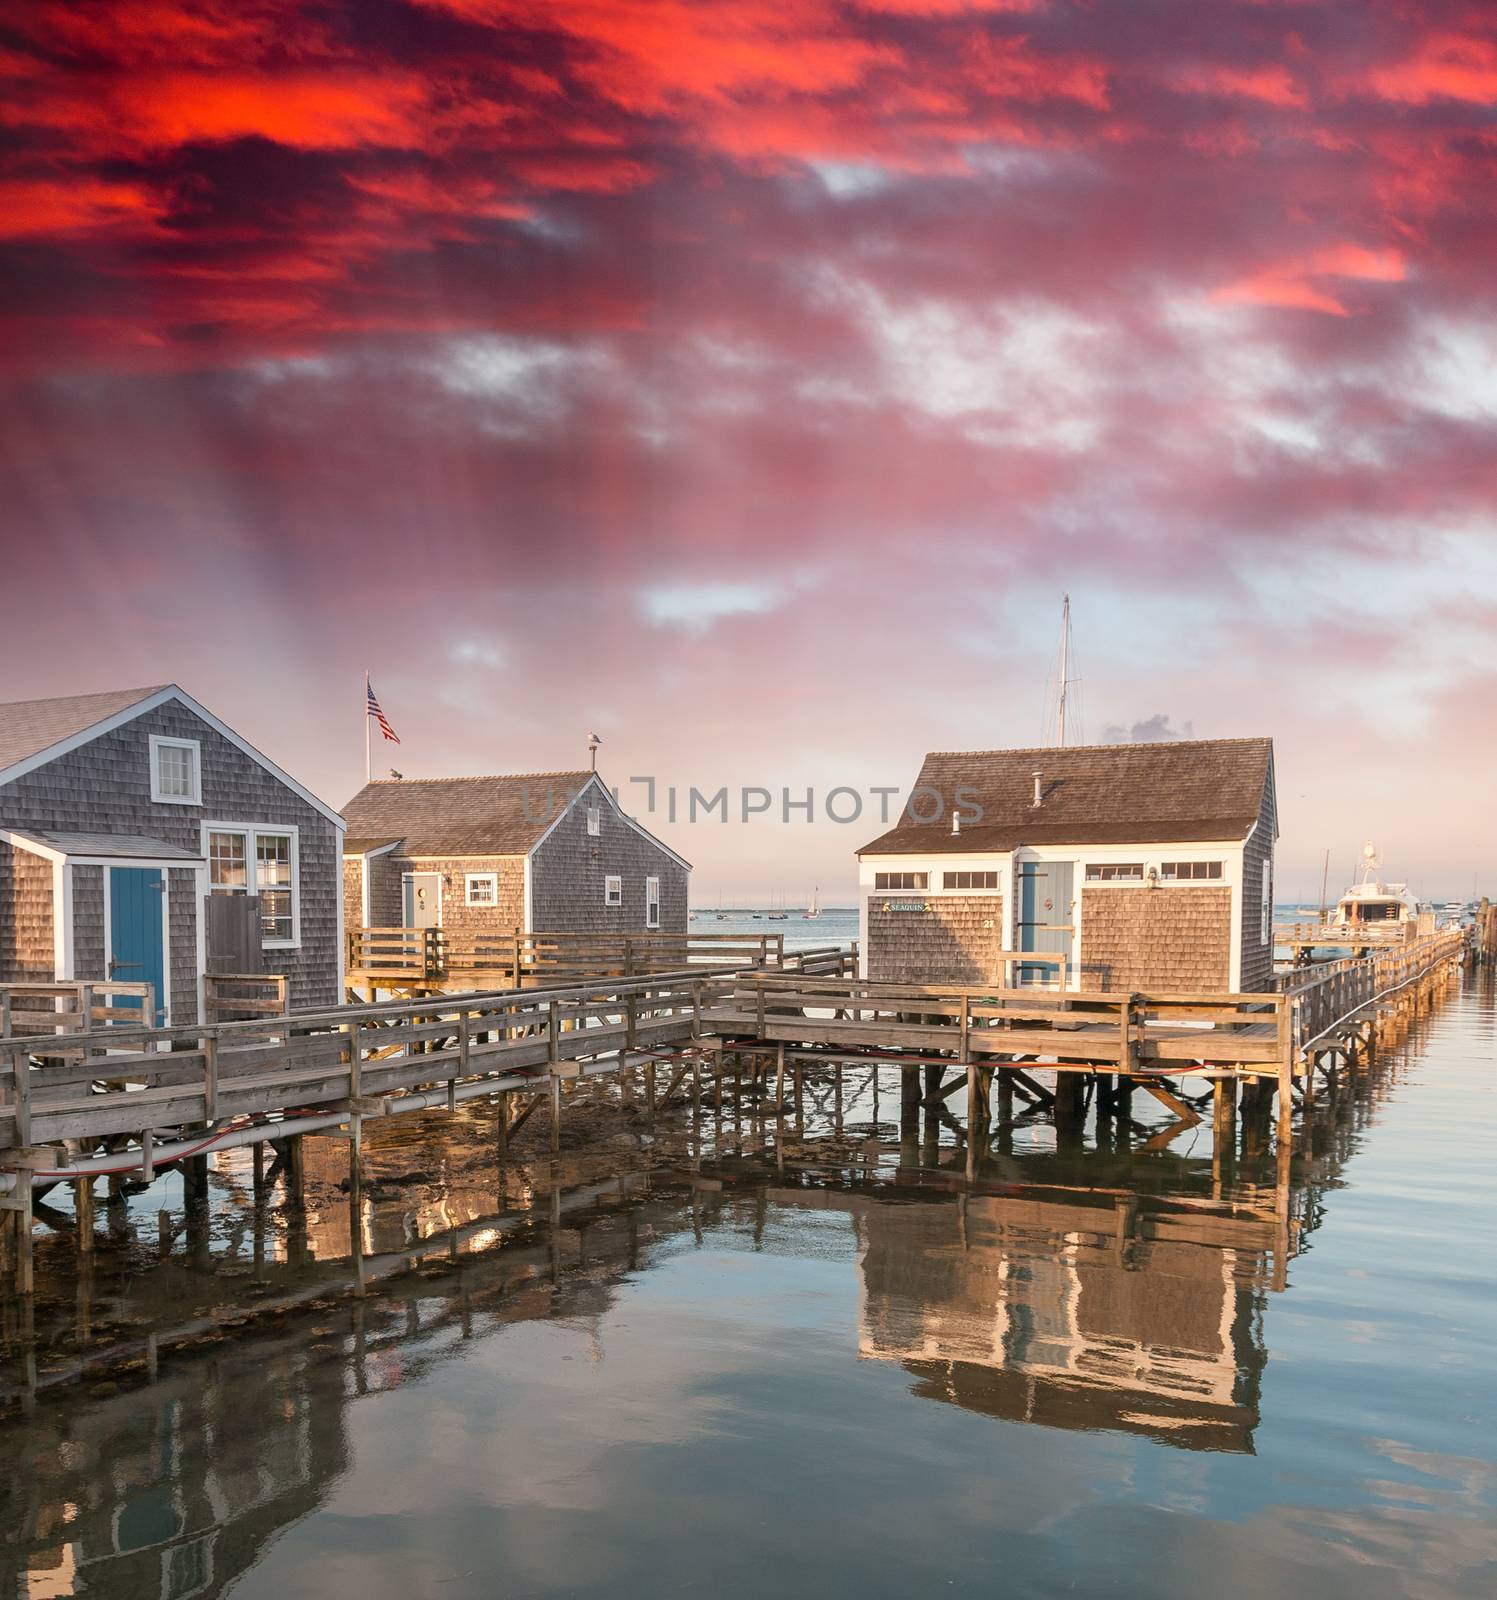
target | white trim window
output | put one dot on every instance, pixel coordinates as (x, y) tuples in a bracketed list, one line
[(652, 902), (613, 890), (176, 771), (237, 850), (1265, 930), (595, 822), (482, 888)]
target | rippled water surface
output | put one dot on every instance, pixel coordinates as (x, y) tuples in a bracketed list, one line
[(819, 1364)]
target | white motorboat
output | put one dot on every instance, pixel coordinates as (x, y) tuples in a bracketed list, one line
[(1373, 908)]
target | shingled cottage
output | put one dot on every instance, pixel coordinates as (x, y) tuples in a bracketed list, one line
[(1143, 867), (540, 852), (122, 815)]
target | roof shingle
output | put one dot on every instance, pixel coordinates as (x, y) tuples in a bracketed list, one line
[(1185, 790), (27, 727), (495, 816)]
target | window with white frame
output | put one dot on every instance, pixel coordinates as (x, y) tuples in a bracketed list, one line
[(613, 890), (1265, 931), (1189, 871), (969, 880), (483, 888), (652, 902), (901, 880), (595, 821), (176, 771), (263, 862), (1114, 872)]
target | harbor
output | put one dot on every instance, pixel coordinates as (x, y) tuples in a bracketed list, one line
[(746, 765), (1094, 1305)]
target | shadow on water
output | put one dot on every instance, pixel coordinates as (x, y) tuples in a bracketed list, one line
[(190, 1394)]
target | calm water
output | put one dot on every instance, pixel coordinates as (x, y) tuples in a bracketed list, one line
[(836, 1374)]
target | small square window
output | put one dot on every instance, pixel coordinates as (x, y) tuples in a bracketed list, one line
[(595, 821), (613, 891), (483, 888), (175, 771)]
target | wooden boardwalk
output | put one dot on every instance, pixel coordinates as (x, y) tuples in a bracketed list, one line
[(128, 1099)]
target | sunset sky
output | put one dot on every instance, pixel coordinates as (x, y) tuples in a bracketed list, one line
[(747, 379)]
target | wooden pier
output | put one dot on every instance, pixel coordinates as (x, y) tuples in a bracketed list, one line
[(129, 1099), (413, 961)]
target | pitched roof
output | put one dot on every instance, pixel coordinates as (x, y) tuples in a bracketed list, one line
[(1190, 789), (496, 816), (27, 727)]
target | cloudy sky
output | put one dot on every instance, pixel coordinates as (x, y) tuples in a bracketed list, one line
[(747, 381)]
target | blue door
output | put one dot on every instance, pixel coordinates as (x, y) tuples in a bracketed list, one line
[(1044, 916), (137, 928)]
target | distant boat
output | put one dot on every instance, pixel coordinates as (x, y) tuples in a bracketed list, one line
[(1372, 906), (813, 910)]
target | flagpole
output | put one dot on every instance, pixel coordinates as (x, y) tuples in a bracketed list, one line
[(368, 753)]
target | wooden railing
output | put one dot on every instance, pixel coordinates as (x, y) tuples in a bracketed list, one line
[(332, 1060), (240, 996), (1101, 1029), (1323, 996), (453, 958), (30, 1009)]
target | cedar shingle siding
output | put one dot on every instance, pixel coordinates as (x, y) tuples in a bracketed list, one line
[(507, 914), (956, 939), (26, 949), (104, 786), (1140, 939)]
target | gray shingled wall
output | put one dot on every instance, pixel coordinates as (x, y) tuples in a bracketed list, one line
[(955, 939), (1257, 858), (1156, 940), (569, 866), (89, 959), (105, 787)]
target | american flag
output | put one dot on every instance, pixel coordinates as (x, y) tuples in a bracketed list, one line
[(378, 715)]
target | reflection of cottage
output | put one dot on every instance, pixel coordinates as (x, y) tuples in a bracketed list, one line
[(120, 812), (548, 852), (1033, 1309), (1134, 867), (167, 1492)]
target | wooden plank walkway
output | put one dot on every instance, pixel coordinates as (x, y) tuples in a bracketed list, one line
[(187, 1089)]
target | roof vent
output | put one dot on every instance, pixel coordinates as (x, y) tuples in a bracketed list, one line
[(1039, 796)]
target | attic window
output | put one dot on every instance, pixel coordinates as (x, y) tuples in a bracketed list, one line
[(1114, 872), (176, 771), (595, 821), (613, 890), (1181, 871)]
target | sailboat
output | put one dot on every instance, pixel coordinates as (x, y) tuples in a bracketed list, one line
[(812, 911)]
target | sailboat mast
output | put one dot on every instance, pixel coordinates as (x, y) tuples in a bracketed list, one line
[(1065, 669)]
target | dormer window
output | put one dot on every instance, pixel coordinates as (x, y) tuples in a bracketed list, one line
[(176, 771), (595, 821)]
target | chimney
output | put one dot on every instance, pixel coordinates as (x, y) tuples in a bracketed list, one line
[(1039, 796)]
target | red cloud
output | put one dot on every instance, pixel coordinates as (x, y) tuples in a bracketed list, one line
[(1442, 67)]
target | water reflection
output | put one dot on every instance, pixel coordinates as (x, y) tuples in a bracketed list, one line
[(1072, 1314), (1082, 1292)]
